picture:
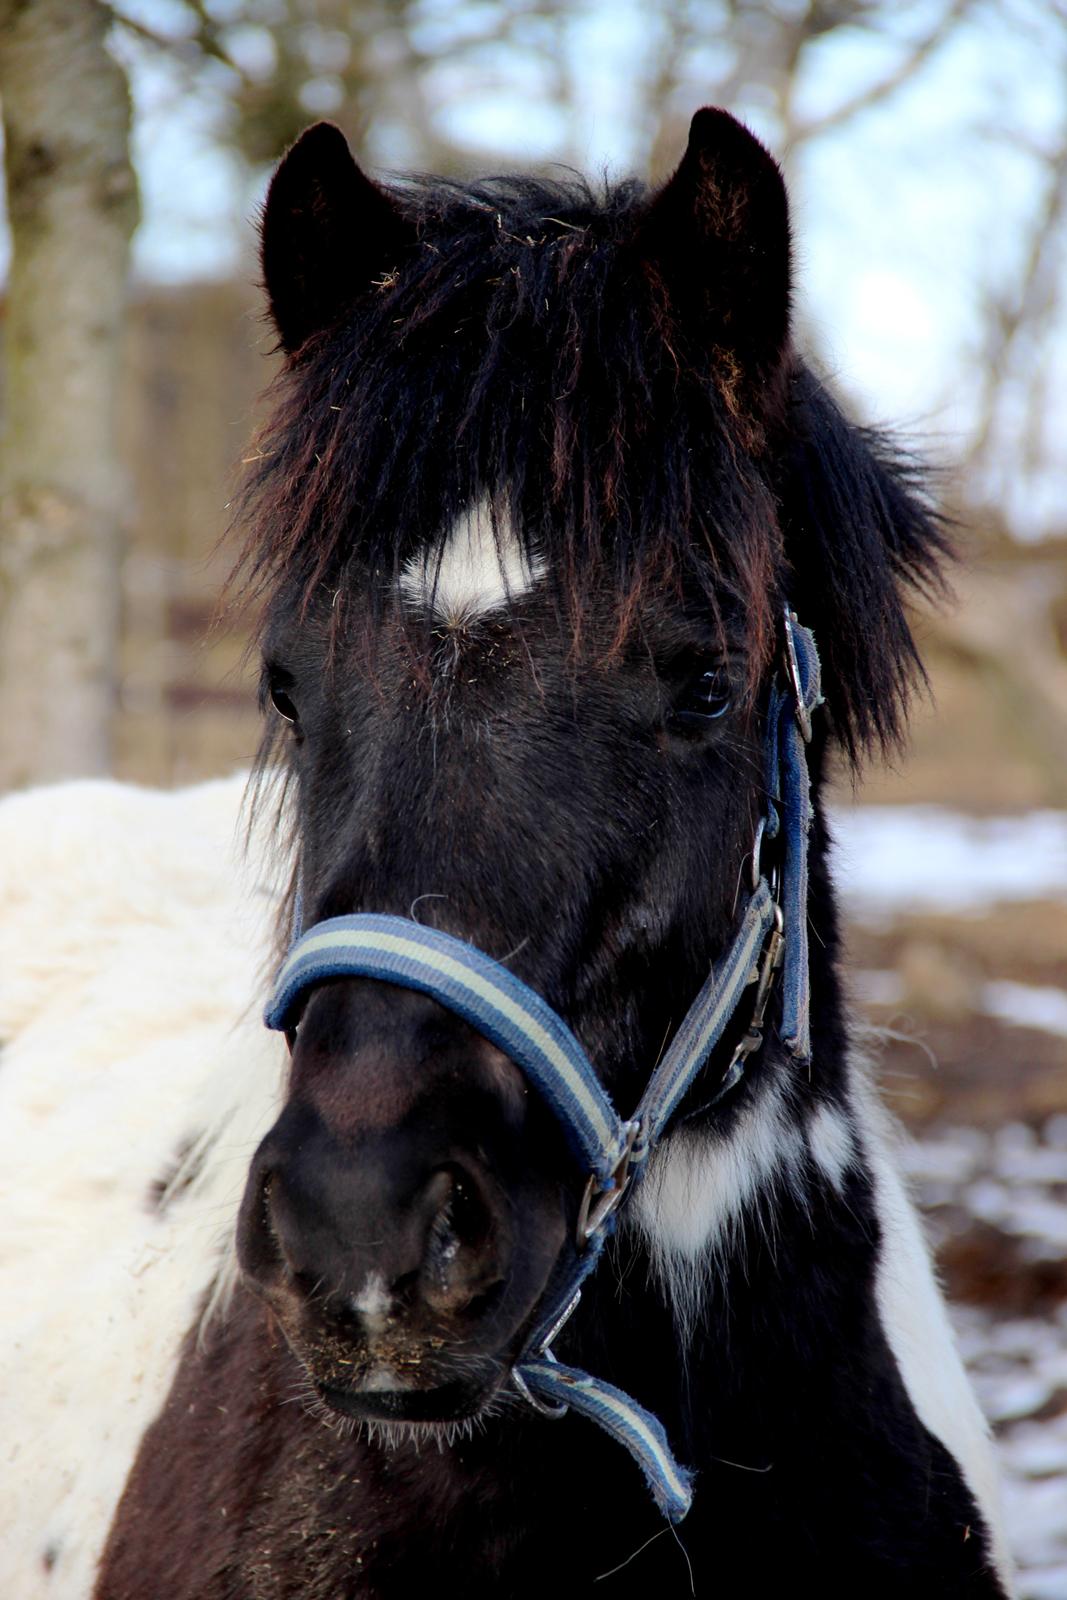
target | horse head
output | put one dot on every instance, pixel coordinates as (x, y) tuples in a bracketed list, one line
[(543, 477)]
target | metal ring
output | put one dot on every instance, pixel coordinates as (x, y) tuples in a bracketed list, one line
[(542, 1406)]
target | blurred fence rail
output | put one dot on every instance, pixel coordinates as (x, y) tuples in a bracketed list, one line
[(198, 358), (993, 736)]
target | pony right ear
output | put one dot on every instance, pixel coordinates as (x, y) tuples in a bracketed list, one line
[(717, 235), (328, 232)]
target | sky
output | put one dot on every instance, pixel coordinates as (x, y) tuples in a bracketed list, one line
[(905, 218)]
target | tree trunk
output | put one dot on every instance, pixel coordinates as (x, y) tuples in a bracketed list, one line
[(72, 203)]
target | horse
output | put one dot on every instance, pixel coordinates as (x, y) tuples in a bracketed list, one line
[(576, 1252)]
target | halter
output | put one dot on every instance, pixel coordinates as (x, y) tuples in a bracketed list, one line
[(770, 943)]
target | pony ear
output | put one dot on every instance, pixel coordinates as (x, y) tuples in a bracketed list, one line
[(717, 233), (328, 232)]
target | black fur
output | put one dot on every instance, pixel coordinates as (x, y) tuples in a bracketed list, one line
[(614, 375)]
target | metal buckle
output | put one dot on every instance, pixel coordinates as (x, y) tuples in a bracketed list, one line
[(597, 1207), (757, 872), (763, 977), (770, 961), (561, 1321), (792, 667)]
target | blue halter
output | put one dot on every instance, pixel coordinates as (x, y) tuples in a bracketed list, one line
[(771, 938)]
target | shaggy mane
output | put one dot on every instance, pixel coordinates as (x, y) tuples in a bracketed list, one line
[(526, 355), (525, 334)]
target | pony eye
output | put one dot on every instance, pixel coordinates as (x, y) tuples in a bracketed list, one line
[(705, 699), (282, 702)]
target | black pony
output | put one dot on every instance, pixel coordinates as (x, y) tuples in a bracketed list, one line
[(543, 476)]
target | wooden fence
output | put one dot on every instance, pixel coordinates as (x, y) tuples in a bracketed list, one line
[(198, 358)]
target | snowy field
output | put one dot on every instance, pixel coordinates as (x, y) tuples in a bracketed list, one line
[(1011, 1181), (1016, 1181)]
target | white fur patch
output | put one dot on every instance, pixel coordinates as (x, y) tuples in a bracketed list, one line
[(698, 1189), (373, 1303), (133, 954), (831, 1143), (482, 567), (917, 1327), (383, 1380), (700, 1186)]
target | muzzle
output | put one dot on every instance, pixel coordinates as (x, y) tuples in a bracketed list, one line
[(770, 946)]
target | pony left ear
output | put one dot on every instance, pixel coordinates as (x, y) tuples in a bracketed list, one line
[(328, 232), (717, 233)]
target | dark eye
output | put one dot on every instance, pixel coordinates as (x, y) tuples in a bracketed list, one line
[(278, 686), (706, 697)]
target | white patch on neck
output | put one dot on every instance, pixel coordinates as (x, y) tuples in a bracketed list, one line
[(481, 568), (697, 1191), (699, 1187), (916, 1324), (373, 1303)]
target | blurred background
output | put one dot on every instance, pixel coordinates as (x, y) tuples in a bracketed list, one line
[(925, 146)]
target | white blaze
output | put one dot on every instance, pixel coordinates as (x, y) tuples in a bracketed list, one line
[(481, 568), (373, 1303)]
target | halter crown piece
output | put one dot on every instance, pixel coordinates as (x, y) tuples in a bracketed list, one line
[(770, 943)]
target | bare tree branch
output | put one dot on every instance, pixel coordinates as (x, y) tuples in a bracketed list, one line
[(1010, 318), (205, 42), (917, 57)]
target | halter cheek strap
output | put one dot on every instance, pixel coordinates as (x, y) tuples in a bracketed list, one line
[(772, 935)]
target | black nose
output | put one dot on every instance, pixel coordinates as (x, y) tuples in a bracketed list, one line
[(392, 1228)]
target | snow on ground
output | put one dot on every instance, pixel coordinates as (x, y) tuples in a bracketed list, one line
[(1013, 1180), (892, 859), (1035, 1005), (1008, 1186), (1028, 1005)]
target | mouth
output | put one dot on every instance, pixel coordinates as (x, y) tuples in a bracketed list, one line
[(451, 1402)]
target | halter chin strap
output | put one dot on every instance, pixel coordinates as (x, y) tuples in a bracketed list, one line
[(772, 937)]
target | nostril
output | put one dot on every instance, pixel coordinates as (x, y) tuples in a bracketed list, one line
[(442, 1250), (461, 1220), (258, 1246), (470, 1209), (460, 1268), (309, 1285), (468, 1216)]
